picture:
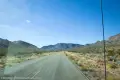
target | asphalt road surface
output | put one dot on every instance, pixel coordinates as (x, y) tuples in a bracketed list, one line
[(53, 67)]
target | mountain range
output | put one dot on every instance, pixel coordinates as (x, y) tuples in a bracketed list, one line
[(15, 47), (11, 48), (97, 47), (61, 46), (21, 47)]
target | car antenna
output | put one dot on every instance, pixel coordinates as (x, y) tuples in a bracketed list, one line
[(104, 43)]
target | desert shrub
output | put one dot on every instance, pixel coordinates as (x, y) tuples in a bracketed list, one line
[(109, 59), (3, 52), (112, 66), (78, 63), (118, 51), (111, 52), (111, 77), (112, 58), (84, 69)]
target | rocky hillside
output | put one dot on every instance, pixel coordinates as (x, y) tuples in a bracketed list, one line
[(115, 38), (12, 48), (97, 47), (25, 44), (61, 46)]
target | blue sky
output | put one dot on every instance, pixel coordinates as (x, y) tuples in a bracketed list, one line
[(44, 22)]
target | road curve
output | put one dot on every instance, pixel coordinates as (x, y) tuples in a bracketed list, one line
[(53, 67)]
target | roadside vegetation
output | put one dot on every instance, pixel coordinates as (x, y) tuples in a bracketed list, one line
[(9, 61), (15, 52), (89, 59), (92, 64), (3, 53)]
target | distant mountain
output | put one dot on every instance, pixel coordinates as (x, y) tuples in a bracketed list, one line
[(60, 46), (3, 47), (16, 47), (25, 44), (97, 47), (115, 38), (4, 43)]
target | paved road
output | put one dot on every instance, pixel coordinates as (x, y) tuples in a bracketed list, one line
[(53, 67)]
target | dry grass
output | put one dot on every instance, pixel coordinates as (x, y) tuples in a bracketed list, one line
[(92, 66), (13, 60)]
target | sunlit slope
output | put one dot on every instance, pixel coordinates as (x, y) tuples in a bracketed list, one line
[(97, 47), (15, 48)]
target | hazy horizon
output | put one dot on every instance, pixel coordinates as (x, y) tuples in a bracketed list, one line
[(45, 22)]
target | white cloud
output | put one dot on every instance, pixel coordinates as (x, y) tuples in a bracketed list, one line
[(28, 21)]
